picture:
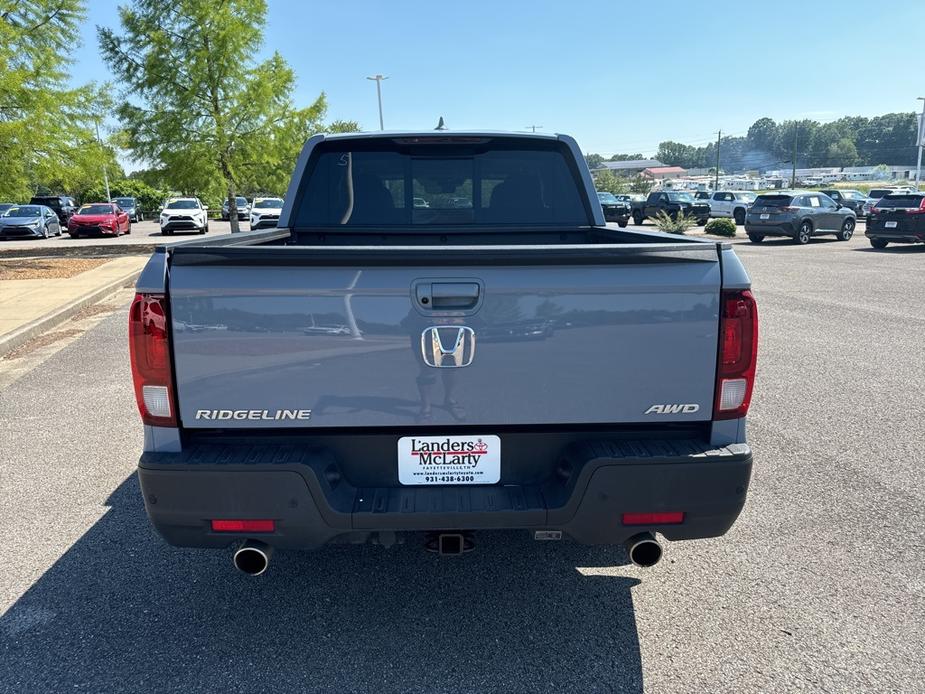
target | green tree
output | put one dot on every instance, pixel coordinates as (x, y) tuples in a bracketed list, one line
[(608, 181), (201, 108), (47, 129), (626, 157), (763, 134)]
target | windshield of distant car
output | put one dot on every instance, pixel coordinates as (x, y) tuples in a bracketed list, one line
[(680, 197), (747, 197), (183, 205), (95, 209), (124, 202), (269, 203), (609, 198), (24, 211), (240, 202), (879, 192)]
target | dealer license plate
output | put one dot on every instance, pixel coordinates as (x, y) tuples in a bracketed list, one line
[(765, 216), (444, 460), (890, 225)]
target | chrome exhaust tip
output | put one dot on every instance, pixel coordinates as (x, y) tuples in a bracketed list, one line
[(644, 550), (253, 557)]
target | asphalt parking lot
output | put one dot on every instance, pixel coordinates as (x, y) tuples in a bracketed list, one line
[(818, 587), (146, 233)]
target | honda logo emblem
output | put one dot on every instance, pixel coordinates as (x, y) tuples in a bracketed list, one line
[(448, 346)]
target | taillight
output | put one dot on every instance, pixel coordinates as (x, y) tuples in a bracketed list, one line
[(149, 349), (920, 209), (738, 350)]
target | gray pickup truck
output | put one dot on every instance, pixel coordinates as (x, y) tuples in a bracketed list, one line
[(497, 359)]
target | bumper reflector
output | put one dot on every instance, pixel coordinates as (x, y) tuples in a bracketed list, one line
[(247, 525), (662, 518)]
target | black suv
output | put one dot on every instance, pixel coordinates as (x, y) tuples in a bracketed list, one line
[(852, 199), (897, 218), (63, 206)]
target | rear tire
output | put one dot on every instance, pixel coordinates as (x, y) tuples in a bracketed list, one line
[(703, 222), (879, 244), (847, 230), (637, 219), (804, 234), (623, 224), (739, 216), (756, 238)]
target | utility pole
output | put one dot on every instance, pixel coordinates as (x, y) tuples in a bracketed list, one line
[(378, 80), (921, 144), (534, 127), (793, 161), (105, 175), (719, 136)]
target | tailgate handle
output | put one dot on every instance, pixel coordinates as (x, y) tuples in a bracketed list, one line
[(448, 296)]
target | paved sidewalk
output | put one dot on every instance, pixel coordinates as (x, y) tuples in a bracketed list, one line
[(31, 306)]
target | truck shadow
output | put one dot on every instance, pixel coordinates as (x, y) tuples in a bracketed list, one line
[(122, 611)]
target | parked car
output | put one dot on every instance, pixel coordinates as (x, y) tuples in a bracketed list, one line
[(702, 195), (132, 208), (244, 208), (615, 210), (852, 199), (104, 218), (184, 214), (731, 203), (897, 218), (799, 215), (875, 194), (29, 221), (672, 203), (63, 205), (608, 436), (265, 213)]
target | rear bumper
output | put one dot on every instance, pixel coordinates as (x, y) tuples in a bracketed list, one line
[(782, 229), (303, 490), (896, 235)]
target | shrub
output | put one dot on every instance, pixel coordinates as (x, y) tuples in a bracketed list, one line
[(674, 225), (721, 227)]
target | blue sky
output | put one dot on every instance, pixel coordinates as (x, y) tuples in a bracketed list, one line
[(620, 77)]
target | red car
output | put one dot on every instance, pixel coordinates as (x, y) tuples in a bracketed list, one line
[(99, 218)]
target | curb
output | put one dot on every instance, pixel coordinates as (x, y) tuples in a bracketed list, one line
[(22, 335)]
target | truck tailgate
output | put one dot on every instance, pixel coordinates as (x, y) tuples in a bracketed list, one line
[(424, 336)]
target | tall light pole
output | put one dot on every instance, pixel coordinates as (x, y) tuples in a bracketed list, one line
[(378, 80), (719, 137), (921, 144), (105, 175)]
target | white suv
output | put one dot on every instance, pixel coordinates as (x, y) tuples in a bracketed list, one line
[(731, 203), (184, 214), (265, 213)]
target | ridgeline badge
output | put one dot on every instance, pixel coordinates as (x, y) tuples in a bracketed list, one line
[(252, 415)]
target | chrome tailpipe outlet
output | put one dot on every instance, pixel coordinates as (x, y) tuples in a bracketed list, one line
[(253, 557), (643, 549)]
